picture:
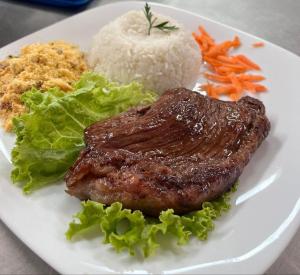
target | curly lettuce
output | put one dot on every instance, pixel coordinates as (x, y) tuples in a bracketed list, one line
[(50, 134), (132, 231)]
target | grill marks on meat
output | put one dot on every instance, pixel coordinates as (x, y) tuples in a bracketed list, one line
[(181, 151)]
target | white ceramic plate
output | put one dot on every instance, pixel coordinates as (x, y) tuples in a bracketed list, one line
[(265, 212)]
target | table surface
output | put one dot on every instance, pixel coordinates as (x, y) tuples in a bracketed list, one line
[(274, 20)]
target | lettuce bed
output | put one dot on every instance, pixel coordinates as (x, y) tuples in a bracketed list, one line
[(50, 134), (132, 231)]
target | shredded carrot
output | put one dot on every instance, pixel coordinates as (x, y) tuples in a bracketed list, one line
[(209, 88), (226, 59), (217, 90), (259, 87), (251, 77), (209, 39), (249, 86), (258, 44), (254, 87), (204, 32), (234, 97), (217, 78), (236, 42), (225, 89), (236, 83), (248, 62), (229, 70), (220, 49), (212, 61)]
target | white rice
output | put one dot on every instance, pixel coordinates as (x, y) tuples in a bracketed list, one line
[(124, 52)]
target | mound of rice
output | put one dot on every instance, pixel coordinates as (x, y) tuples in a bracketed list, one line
[(124, 52)]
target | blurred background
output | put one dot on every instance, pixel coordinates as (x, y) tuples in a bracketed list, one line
[(274, 20)]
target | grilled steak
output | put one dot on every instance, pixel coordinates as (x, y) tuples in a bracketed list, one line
[(181, 151)]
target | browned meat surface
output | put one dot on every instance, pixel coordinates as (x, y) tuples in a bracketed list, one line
[(181, 151)]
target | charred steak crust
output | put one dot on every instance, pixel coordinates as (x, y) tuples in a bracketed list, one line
[(181, 151)]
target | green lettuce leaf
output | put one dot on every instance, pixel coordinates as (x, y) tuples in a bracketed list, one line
[(50, 135), (132, 231)]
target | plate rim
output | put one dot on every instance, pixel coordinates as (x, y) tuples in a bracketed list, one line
[(133, 2), (295, 223)]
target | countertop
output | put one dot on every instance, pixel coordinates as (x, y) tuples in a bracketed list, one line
[(274, 20)]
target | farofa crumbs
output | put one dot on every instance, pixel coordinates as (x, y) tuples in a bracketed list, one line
[(39, 65)]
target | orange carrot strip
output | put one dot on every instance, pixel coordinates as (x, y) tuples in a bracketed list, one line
[(220, 71), (260, 88), (258, 44), (254, 87), (235, 82), (199, 42), (239, 62), (205, 34), (210, 42), (205, 45), (226, 59), (212, 61), (219, 49), (223, 48), (209, 90), (206, 87), (224, 70), (213, 94), (250, 77), (198, 39), (234, 66), (248, 62), (218, 78), (227, 69), (225, 90), (236, 42), (234, 96), (249, 86)]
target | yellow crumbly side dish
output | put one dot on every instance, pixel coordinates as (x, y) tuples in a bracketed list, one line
[(40, 65)]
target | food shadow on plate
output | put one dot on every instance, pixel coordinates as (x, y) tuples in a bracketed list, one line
[(89, 234), (46, 192), (168, 248)]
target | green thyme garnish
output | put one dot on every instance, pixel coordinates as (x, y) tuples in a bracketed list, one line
[(161, 26)]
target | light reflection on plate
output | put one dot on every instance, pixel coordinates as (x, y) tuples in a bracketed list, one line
[(257, 189)]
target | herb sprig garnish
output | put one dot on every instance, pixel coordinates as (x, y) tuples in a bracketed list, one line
[(161, 26)]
